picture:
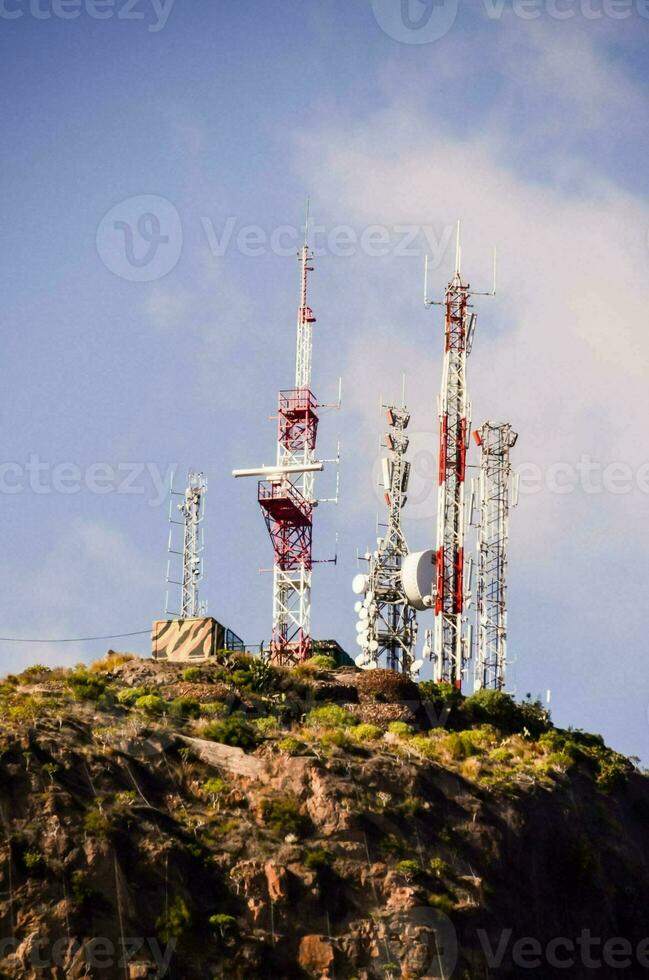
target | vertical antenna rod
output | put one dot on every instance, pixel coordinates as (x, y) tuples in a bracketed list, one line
[(495, 492)]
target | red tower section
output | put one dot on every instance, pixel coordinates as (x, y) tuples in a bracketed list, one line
[(287, 506)]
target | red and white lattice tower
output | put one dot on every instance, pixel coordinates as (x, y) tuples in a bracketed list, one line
[(288, 503), (286, 494), (451, 644)]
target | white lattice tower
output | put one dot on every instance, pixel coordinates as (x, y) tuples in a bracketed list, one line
[(387, 623), (190, 552), (495, 492)]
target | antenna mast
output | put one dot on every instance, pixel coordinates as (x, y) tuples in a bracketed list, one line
[(451, 647), (496, 492), (286, 494), (387, 624), (192, 511)]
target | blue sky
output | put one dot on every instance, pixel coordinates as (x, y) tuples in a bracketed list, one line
[(531, 129)]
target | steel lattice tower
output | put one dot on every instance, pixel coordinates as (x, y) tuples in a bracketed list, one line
[(286, 493), (387, 623), (192, 512), (451, 646), (288, 503), (495, 493)]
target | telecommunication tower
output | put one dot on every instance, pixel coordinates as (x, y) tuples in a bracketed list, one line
[(495, 492), (387, 624), (452, 644), (192, 511), (286, 492)]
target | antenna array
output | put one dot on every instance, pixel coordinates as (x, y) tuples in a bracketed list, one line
[(192, 511), (387, 624), (451, 643)]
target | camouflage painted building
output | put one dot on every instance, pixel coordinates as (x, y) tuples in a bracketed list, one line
[(191, 639)]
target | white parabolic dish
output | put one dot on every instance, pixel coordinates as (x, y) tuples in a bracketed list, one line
[(417, 577), (359, 584)]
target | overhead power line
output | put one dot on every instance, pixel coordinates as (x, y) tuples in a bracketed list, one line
[(72, 639)]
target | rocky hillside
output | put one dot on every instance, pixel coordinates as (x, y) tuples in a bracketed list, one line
[(241, 821)]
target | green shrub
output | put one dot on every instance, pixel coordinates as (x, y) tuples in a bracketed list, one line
[(533, 718), (570, 748), (442, 903), (261, 675), (34, 862), (174, 921), (50, 769), (226, 924), (226, 827), (368, 733), (151, 704), (110, 662), (266, 727), (283, 816), (495, 707), (322, 661), (182, 708), (336, 738), (82, 892), (432, 690), (214, 788), (438, 867), (129, 695), (409, 869), (500, 710), (614, 771), (393, 846), (85, 686), (425, 745), (126, 798), (291, 745), (400, 728), (193, 675), (233, 730), (241, 678), (212, 709), (97, 824), (330, 716), (462, 745), (34, 674), (319, 860)]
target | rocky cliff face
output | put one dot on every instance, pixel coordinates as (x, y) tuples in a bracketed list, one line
[(234, 821)]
